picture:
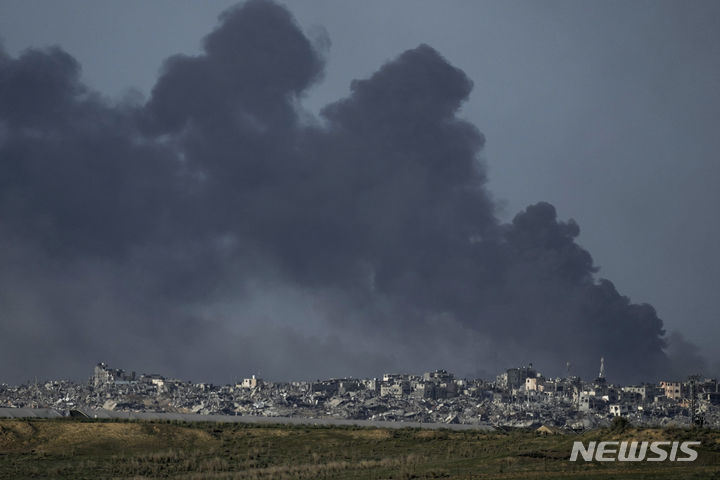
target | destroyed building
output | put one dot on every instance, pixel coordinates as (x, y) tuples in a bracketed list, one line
[(519, 397)]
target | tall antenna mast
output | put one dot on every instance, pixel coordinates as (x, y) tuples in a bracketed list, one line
[(602, 367)]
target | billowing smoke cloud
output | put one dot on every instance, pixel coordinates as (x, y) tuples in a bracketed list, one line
[(685, 357), (158, 234)]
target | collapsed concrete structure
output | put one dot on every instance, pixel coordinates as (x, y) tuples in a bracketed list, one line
[(519, 397)]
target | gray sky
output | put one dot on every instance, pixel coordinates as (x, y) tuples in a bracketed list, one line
[(607, 110)]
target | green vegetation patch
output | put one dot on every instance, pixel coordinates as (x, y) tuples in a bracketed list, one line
[(78, 449)]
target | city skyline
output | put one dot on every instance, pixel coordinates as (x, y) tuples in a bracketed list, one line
[(519, 397)]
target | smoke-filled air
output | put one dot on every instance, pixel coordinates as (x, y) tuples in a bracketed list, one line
[(217, 229)]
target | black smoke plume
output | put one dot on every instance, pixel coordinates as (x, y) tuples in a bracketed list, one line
[(158, 234)]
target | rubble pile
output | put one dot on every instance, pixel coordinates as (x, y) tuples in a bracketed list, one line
[(520, 397)]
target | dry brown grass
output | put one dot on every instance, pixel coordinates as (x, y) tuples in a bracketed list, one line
[(372, 434), (427, 434), (77, 437)]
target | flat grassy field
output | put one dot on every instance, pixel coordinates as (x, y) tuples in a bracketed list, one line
[(79, 449)]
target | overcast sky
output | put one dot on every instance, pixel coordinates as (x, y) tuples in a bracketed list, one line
[(610, 111)]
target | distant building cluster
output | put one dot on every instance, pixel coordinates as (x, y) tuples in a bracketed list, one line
[(519, 397)]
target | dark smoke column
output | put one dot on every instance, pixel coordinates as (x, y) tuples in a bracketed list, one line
[(134, 220)]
